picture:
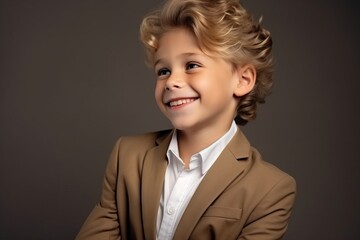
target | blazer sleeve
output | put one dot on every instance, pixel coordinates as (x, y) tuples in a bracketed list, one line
[(103, 221), (269, 219)]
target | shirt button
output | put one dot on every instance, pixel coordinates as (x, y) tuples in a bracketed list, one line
[(171, 210)]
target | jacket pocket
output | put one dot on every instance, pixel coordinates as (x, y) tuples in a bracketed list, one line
[(223, 212), (218, 223)]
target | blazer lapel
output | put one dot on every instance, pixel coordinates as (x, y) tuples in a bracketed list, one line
[(154, 168), (220, 175)]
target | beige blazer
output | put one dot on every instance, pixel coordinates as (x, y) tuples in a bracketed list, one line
[(241, 197)]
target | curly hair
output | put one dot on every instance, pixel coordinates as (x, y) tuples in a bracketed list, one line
[(223, 27)]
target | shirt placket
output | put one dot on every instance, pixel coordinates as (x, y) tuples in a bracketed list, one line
[(175, 204)]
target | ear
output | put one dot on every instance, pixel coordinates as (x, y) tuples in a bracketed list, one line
[(246, 78)]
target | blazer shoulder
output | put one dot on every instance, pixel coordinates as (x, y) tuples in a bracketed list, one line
[(129, 152), (270, 174), (142, 141)]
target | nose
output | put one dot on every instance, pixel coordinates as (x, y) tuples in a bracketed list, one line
[(175, 81)]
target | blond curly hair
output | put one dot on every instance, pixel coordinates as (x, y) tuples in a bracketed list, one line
[(223, 27)]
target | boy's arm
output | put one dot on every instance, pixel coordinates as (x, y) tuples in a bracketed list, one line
[(269, 219), (103, 221)]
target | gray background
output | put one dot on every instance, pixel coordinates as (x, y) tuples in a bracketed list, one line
[(72, 81)]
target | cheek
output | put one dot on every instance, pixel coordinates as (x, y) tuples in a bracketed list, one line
[(220, 88), (210, 84)]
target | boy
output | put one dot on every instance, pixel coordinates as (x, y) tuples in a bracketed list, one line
[(201, 180)]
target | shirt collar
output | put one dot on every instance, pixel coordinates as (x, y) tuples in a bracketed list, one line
[(208, 155)]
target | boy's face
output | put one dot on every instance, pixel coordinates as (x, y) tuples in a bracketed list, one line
[(193, 90)]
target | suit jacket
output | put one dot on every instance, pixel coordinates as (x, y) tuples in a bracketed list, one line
[(241, 196)]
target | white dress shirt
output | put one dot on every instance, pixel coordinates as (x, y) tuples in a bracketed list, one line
[(180, 183)]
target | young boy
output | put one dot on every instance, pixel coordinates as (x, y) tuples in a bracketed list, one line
[(201, 180)]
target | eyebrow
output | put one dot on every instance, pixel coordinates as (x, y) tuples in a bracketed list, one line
[(157, 61)]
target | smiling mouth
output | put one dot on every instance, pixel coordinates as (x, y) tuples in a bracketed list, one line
[(180, 102)]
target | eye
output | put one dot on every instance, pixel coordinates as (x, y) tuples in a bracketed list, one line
[(192, 65), (163, 72)]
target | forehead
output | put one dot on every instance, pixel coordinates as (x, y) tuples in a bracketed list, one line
[(177, 40)]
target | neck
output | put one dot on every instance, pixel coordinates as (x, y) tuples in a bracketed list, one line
[(191, 142)]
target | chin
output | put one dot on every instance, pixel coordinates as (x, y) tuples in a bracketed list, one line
[(184, 126), (184, 123), (179, 125)]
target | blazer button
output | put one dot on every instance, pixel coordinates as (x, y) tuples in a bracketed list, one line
[(171, 210)]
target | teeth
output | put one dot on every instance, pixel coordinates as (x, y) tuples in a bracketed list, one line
[(180, 102)]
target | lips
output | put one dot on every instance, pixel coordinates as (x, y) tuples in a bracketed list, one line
[(179, 102)]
